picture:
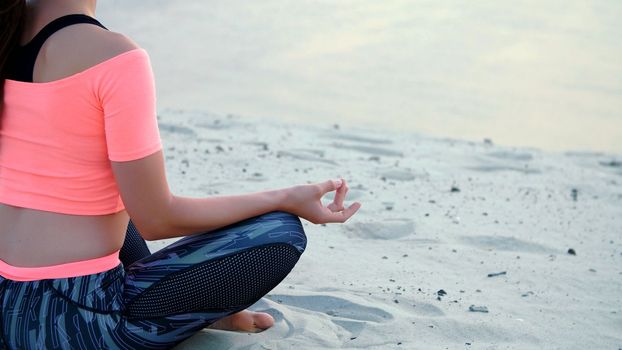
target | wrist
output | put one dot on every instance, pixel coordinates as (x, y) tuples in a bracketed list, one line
[(282, 199)]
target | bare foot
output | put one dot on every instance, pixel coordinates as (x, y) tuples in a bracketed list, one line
[(245, 321)]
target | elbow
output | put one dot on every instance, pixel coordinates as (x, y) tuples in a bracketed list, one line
[(155, 224), (148, 230), (153, 227)]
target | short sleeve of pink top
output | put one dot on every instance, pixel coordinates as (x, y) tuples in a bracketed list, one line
[(57, 138)]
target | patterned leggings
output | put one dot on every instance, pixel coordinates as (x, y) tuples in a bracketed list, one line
[(154, 301)]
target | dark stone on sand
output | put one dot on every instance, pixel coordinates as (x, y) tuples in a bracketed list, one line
[(572, 252), (474, 308), (494, 274), (441, 293), (455, 189)]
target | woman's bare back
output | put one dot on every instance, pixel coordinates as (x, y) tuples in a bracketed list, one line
[(30, 238)]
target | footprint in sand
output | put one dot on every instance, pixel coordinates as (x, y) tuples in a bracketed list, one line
[(507, 244), (520, 156), (355, 138), (425, 309), (216, 124), (397, 174), (386, 229), (306, 154), (374, 150), (506, 161), (334, 306), (176, 129), (500, 167)]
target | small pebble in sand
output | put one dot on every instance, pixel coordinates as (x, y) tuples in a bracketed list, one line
[(572, 251), (494, 274), (440, 293), (455, 189), (474, 308), (524, 295)]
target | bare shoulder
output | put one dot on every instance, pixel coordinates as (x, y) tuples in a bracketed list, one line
[(78, 47)]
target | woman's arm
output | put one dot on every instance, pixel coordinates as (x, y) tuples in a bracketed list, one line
[(159, 214)]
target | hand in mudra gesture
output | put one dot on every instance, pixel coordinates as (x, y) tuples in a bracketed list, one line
[(305, 201)]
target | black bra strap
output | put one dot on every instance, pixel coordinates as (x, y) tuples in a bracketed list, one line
[(27, 55), (59, 23)]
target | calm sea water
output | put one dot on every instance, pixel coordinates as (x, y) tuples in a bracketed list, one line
[(546, 74)]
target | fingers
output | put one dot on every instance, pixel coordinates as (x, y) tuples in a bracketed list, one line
[(344, 215), (340, 195), (330, 185)]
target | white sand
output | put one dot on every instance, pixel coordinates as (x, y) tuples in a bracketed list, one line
[(373, 282)]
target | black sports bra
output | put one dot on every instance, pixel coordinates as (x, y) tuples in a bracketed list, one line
[(21, 62)]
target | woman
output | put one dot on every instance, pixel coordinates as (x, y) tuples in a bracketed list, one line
[(80, 154)]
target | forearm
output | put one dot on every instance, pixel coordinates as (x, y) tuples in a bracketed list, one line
[(185, 216)]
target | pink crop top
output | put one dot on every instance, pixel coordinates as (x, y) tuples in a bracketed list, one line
[(57, 138)]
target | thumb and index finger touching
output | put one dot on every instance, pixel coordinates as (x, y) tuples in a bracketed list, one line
[(337, 211)]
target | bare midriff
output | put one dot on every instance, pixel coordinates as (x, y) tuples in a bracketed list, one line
[(36, 238)]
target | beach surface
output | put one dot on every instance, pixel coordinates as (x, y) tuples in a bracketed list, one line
[(458, 244)]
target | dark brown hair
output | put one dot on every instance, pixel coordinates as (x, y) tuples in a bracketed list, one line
[(12, 14)]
